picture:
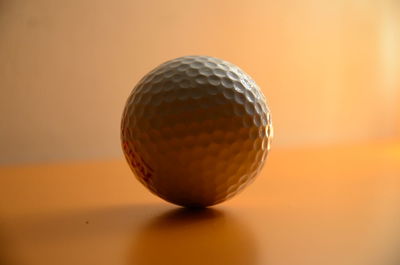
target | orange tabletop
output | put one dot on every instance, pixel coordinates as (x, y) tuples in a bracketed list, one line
[(320, 206)]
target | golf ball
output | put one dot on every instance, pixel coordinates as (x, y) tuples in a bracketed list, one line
[(196, 130)]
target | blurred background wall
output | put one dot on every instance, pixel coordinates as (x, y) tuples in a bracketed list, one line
[(329, 69)]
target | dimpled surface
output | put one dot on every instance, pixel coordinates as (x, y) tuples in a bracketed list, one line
[(196, 130)]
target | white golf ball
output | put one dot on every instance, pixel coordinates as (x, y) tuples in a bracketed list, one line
[(196, 130)]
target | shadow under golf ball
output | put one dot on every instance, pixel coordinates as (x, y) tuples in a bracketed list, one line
[(194, 236)]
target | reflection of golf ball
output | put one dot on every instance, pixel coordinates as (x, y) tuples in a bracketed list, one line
[(195, 237), (196, 130)]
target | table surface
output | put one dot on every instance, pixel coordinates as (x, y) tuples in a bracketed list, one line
[(338, 205)]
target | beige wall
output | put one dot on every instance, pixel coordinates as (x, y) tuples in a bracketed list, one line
[(330, 69)]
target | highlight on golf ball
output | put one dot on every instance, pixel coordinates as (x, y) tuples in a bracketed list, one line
[(196, 130)]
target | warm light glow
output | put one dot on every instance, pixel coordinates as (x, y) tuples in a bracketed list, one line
[(390, 66)]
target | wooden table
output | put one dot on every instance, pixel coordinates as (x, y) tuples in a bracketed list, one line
[(320, 206)]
